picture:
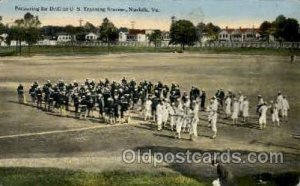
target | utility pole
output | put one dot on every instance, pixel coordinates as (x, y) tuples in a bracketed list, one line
[(80, 22), (132, 24)]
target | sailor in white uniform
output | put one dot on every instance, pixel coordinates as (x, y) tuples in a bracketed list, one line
[(195, 120), (285, 109), (275, 112), (179, 120), (159, 115), (245, 109), (228, 106), (147, 111), (263, 116), (235, 113)]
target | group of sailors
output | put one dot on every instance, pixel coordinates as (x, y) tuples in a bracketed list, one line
[(168, 107)]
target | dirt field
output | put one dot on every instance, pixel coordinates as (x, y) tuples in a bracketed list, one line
[(33, 138)]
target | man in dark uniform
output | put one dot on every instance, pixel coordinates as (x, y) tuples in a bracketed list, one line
[(62, 103), (100, 101), (46, 90), (117, 109), (110, 110), (20, 91), (150, 88), (39, 97), (83, 107), (224, 174), (155, 101), (221, 96), (292, 58), (50, 100), (194, 93), (56, 97), (124, 81), (203, 98), (32, 93), (90, 103), (124, 107), (61, 85), (135, 98), (165, 91), (76, 102)]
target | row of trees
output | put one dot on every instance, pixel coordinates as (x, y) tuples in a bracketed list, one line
[(282, 28), (28, 29), (182, 32), (24, 29)]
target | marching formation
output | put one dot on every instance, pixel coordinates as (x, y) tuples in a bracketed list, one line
[(167, 106)]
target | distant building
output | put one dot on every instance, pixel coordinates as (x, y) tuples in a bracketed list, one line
[(225, 35), (136, 35), (166, 36), (46, 42), (123, 36), (236, 35), (239, 35), (3, 39), (64, 38), (91, 37)]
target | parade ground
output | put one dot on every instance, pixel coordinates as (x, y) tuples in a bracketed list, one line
[(33, 138)]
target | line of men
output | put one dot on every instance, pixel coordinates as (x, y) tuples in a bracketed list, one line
[(238, 106), (164, 104), (111, 99)]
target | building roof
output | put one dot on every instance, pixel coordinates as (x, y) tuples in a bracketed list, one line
[(136, 31), (243, 30)]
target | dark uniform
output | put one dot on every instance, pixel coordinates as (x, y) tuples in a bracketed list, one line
[(20, 91), (203, 98), (39, 97)]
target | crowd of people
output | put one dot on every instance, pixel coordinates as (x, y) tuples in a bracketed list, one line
[(168, 106)]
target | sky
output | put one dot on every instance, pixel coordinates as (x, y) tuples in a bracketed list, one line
[(231, 13)]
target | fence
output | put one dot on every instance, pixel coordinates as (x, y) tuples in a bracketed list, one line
[(164, 44)]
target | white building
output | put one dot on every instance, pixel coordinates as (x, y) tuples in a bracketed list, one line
[(3, 39), (166, 36), (236, 35), (225, 35), (251, 35), (123, 36), (137, 35), (239, 35), (46, 42), (91, 37), (64, 38)]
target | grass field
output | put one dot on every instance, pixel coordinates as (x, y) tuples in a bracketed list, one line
[(49, 177), (69, 50), (99, 149)]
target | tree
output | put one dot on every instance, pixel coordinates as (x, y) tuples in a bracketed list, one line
[(265, 30), (286, 29), (212, 31), (291, 30), (155, 37), (72, 31), (26, 29), (183, 32), (2, 28), (200, 30), (89, 27), (278, 25), (108, 32)]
